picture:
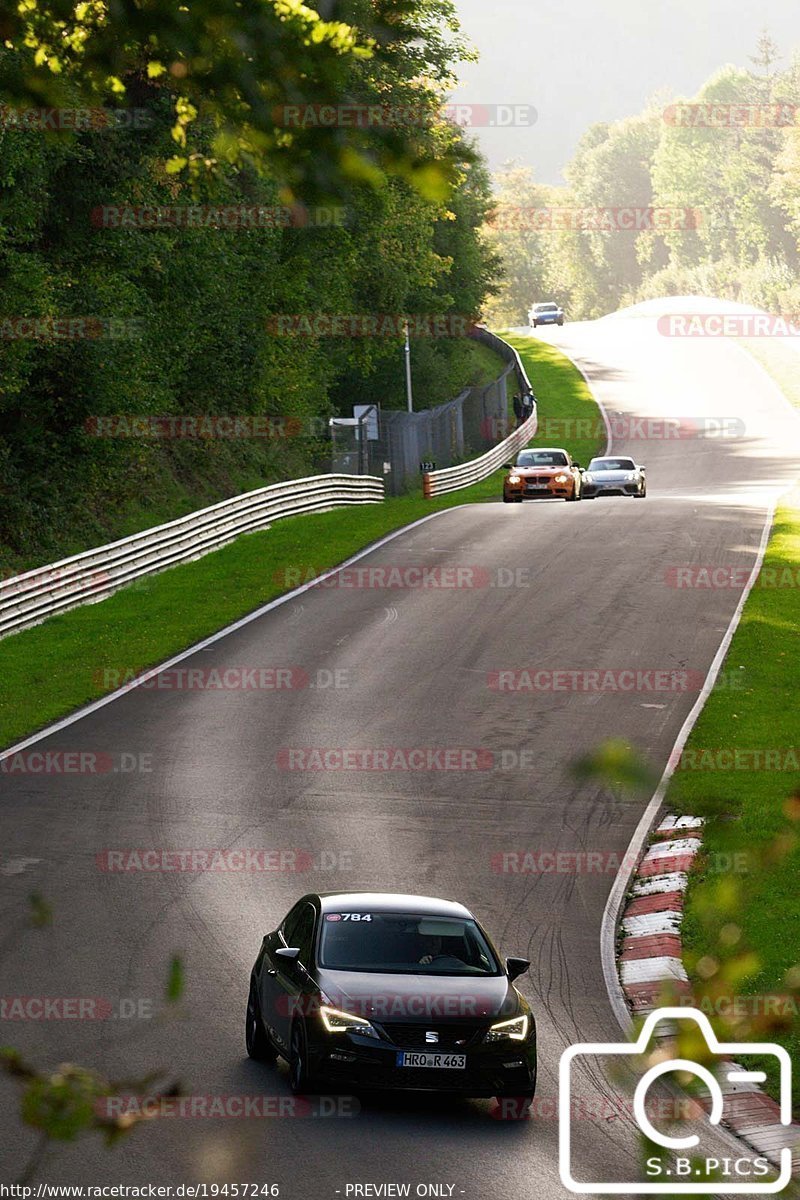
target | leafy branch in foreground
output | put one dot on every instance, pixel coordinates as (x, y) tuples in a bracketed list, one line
[(69, 1102), (238, 69), (73, 1100), (617, 765)]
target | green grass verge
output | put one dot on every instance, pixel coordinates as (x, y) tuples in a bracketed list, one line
[(50, 670), (568, 413), (481, 366), (740, 934)]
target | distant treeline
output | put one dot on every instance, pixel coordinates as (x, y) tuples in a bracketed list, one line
[(691, 196)]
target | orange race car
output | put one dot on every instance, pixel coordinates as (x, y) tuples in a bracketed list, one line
[(538, 473)]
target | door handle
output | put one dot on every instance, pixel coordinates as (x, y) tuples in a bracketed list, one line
[(271, 971)]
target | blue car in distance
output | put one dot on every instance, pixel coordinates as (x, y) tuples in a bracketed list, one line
[(545, 314)]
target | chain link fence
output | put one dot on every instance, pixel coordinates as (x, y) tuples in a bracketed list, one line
[(397, 446)]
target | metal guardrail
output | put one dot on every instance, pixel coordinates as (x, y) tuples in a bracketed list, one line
[(450, 479), (35, 595)]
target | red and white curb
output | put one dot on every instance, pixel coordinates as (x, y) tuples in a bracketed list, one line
[(650, 960)]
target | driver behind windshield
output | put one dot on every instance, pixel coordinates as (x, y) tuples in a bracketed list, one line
[(436, 949), (395, 942)]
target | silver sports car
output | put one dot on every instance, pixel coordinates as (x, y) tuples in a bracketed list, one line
[(614, 477)]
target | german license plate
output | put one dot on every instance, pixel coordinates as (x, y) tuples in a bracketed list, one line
[(536, 487), (411, 1058)]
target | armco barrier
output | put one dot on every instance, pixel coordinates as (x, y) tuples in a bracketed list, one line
[(450, 479), (28, 599)]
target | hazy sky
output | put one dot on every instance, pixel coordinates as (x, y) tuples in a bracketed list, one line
[(581, 61)]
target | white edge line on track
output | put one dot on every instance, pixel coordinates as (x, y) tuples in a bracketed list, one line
[(619, 890), (151, 672), (621, 884)]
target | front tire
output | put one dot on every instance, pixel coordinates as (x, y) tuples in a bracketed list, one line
[(299, 1077), (641, 495), (257, 1040)]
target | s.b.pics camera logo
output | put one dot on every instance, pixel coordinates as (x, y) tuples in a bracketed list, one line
[(679, 1162)]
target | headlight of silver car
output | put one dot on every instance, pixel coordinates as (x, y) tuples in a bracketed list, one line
[(516, 1030)]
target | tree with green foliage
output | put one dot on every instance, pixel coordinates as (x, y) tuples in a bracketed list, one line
[(521, 246), (197, 301), (724, 163), (231, 73)]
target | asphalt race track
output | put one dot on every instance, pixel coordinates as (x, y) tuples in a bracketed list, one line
[(559, 587)]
